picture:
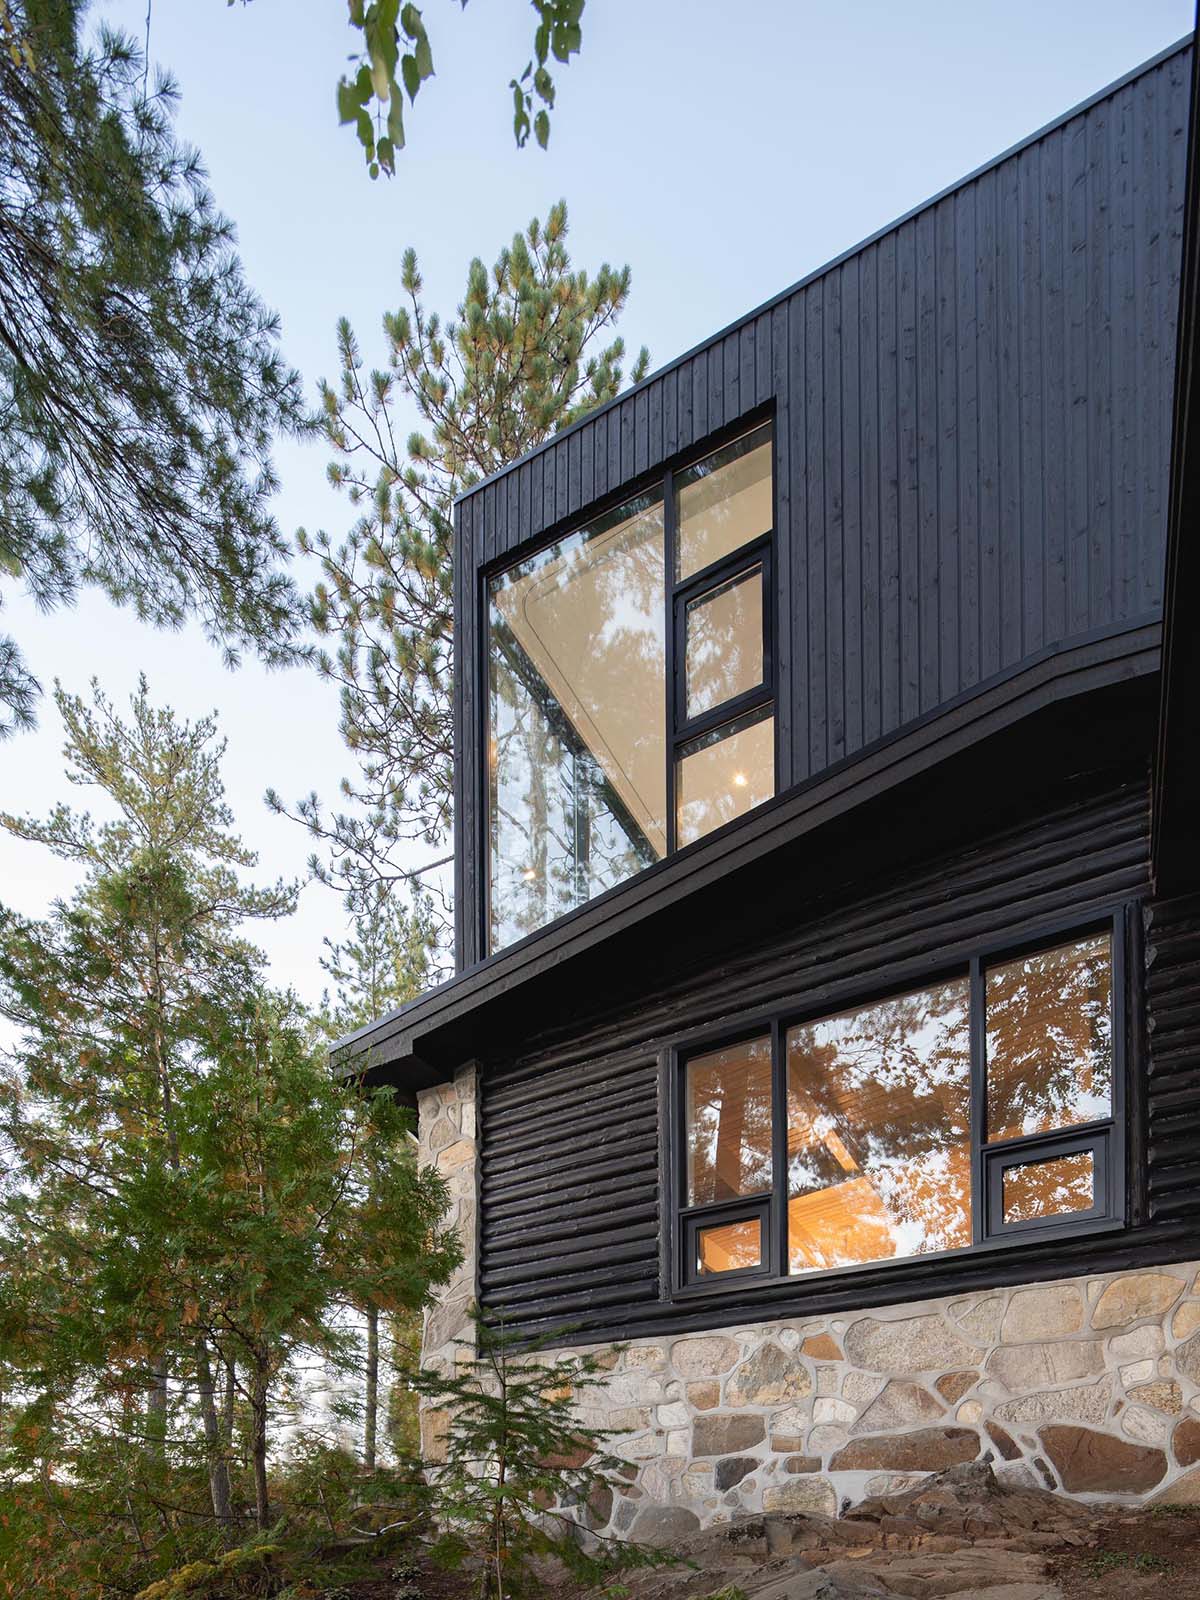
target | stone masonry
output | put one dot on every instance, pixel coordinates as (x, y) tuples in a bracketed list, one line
[(1090, 1386)]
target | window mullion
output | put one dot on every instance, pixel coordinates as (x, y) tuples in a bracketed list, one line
[(779, 1240), (978, 1021)]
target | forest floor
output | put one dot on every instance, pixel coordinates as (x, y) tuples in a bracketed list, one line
[(961, 1536)]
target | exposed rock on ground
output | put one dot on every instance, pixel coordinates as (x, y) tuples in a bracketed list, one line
[(963, 1535)]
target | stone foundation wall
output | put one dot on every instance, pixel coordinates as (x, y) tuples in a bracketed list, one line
[(447, 1140), (1089, 1386)]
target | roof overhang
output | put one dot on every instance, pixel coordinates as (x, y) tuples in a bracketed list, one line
[(942, 777)]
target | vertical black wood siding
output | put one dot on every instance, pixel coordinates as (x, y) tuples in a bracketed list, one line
[(569, 1222), (972, 417)]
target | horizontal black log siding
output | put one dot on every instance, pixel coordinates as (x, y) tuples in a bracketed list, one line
[(972, 416), (570, 1234), (1173, 1003), (569, 1188)]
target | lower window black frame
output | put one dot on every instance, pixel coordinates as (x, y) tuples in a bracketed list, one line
[(1104, 1138)]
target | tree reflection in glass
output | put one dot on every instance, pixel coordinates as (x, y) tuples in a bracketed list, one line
[(878, 1108), (728, 1118), (1049, 1188), (577, 747), (1049, 1039)]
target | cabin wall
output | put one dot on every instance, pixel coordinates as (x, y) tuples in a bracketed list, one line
[(972, 432), (1075, 1366)]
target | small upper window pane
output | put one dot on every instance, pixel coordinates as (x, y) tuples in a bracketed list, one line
[(1049, 1039), (729, 1247), (577, 719), (726, 774), (1050, 1188), (878, 1130), (725, 642), (723, 502), (728, 1109)]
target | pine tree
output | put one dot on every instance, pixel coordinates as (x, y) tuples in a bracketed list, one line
[(385, 963), (521, 359), (198, 1200), (141, 382)]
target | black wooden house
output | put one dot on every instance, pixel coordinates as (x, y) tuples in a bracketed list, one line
[(825, 1026)]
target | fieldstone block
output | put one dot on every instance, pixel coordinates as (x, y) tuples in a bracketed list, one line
[(1036, 1366), (703, 1396), (1161, 1395), (899, 1403), (810, 1495), (1186, 1320), (1087, 1403), (664, 1525), (770, 1375), (1089, 1462), (821, 1347), (1185, 1441), (1146, 1294), (969, 1411), (674, 1415), (788, 1429), (830, 1409), (1184, 1491), (1148, 1427), (907, 1345), (1054, 1311), (953, 1385), (979, 1319), (926, 1450), (796, 1464), (1138, 1344), (1187, 1358), (1008, 1447), (702, 1358), (726, 1433), (732, 1470)]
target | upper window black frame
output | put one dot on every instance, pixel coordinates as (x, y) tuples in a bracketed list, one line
[(1104, 1137), (682, 734)]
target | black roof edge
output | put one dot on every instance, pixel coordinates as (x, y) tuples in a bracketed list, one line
[(836, 261)]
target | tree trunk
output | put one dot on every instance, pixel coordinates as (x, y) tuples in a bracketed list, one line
[(218, 1460), (371, 1419), (258, 1410), (156, 1415)]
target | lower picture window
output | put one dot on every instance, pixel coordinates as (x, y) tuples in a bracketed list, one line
[(926, 1122)]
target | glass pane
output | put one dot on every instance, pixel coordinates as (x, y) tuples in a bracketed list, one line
[(729, 1247), (725, 642), (723, 502), (729, 1122), (1049, 1188), (1049, 1039), (878, 1134), (726, 774), (577, 748)]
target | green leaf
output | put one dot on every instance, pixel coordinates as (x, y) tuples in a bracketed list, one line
[(541, 129), (411, 75)]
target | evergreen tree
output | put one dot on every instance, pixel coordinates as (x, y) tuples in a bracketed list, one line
[(386, 962), (198, 1200), (141, 382), (522, 358)]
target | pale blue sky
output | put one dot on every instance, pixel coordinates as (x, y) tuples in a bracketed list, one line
[(722, 151)]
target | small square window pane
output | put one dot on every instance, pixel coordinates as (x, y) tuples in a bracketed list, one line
[(725, 775), (723, 502), (724, 651), (878, 1130), (729, 1122), (1049, 1039), (1050, 1188), (729, 1247)]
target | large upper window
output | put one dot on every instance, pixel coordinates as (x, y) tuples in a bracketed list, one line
[(935, 1119), (630, 688)]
